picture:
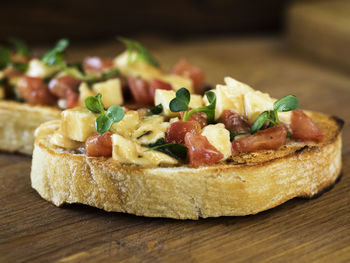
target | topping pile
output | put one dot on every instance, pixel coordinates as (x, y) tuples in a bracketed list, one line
[(184, 128), (130, 78)]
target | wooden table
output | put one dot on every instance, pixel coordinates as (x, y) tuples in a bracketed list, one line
[(317, 230)]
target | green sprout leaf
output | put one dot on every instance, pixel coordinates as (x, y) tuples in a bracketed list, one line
[(260, 121), (142, 53), (286, 103), (106, 119), (110, 74), (95, 104), (21, 47), (181, 100), (5, 57), (56, 55), (115, 113)]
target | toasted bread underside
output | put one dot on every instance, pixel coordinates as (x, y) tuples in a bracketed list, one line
[(247, 185), (18, 122)]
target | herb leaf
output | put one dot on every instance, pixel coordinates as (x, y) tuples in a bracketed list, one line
[(5, 57), (157, 109), (56, 55), (21, 47), (95, 104), (286, 103), (209, 110), (103, 123), (105, 120), (115, 113), (176, 150), (110, 74), (181, 101), (260, 121), (142, 53)]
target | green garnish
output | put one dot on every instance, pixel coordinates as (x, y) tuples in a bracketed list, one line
[(157, 109), (21, 47), (182, 100), (176, 150), (142, 53), (56, 55), (110, 74), (105, 120), (284, 104), (5, 57)]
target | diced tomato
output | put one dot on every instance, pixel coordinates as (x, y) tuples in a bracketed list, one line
[(72, 98), (200, 151), (140, 91), (184, 68), (99, 145), (59, 86), (269, 139), (200, 117), (177, 131), (35, 91), (97, 64), (158, 84), (234, 122), (303, 127)]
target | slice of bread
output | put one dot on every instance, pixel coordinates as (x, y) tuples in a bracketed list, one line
[(249, 184), (18, 122)]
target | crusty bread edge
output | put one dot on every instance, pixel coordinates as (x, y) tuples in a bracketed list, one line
[(185, 192), (18, 122)]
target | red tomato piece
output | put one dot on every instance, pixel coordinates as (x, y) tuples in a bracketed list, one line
[(269, 139), (200, 151), (200, 117), (34, 91), (184, 68), (158, 84), (234, 122), (59, 86), (16, 58), (177, 131), (140, 91), (72, 98), (97, 64), (303, 127), (99, 145)]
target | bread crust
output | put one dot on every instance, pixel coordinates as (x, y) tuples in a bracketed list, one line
[(18, 122), (249, 184)]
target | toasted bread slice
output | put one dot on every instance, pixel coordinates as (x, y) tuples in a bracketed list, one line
[(18, 122), (249, 184)]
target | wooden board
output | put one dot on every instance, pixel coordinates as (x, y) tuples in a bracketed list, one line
[(317, 230), (321, 29)]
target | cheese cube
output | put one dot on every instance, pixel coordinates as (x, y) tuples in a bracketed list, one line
[(84, 92), (78, 123), (219, 137), (131, 67), (127, 151), (38, 69), (238, 86), (151, 129), (60, 140), (127, 125), (165, 96), (178, 82), (111, 91), (255, 103)]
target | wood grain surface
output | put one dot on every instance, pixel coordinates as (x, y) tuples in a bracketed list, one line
[(317, 230)]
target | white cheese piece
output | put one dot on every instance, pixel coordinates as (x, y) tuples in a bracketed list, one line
[(111, 91), (178, 82), (219, 137), (84, 92), (127, 125), (285, 117), (255, 103), (127, 151), (78, 123), (238, 86), (38, 69), (165, 96), (131, 67), (151, 129), (60, 140)]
